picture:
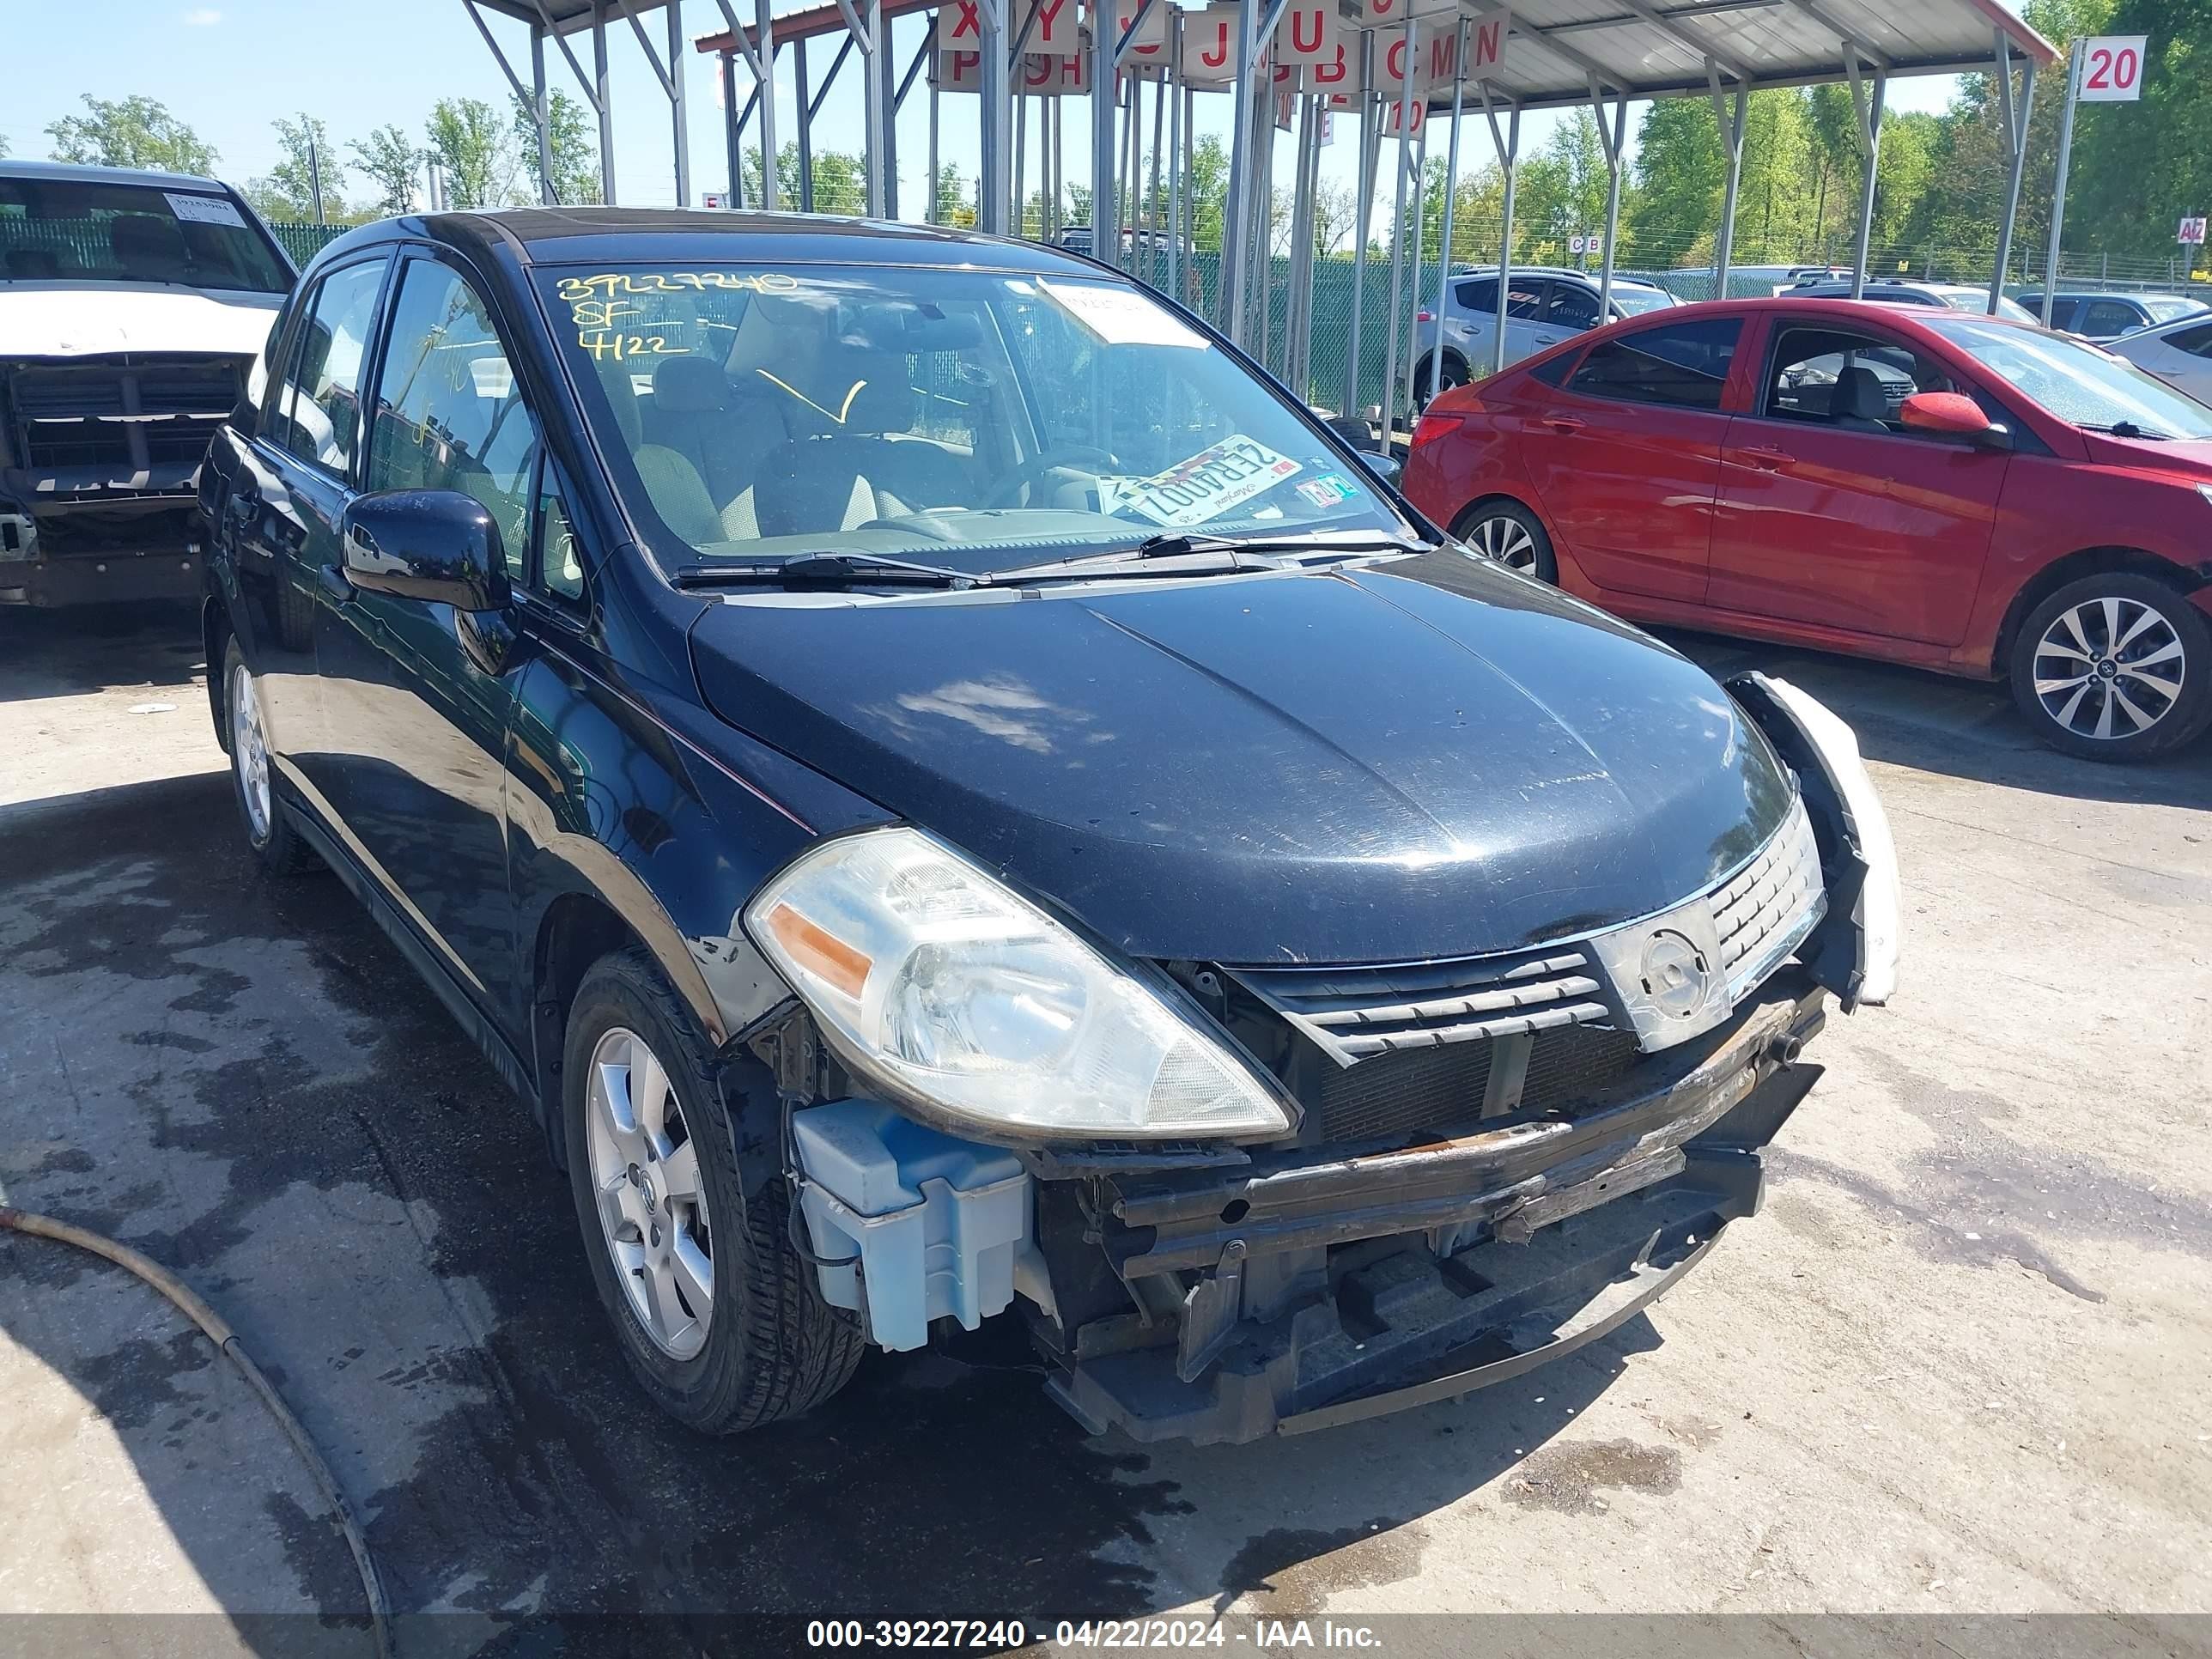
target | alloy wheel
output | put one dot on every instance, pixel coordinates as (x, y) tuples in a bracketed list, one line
[(249, 752), (652, 1210), (1506, 540), (2109, 668)]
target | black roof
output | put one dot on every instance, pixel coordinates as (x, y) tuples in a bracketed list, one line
[(572, 235), (69, 172)]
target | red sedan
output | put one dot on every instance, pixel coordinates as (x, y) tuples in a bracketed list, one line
[(1948, 490)]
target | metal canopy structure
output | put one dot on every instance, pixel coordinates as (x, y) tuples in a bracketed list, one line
[(1481, 57), (1649, 49)]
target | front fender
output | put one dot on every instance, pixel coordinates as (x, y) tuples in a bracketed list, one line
[(1853, 950)]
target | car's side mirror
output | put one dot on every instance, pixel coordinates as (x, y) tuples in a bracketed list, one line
[(1385, 466), (1953, 414), (436, 545)]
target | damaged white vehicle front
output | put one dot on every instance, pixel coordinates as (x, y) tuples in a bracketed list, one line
[(133, 307)]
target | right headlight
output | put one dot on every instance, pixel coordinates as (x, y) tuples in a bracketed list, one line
[(940, 982)]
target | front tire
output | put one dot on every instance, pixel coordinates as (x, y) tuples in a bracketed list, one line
[(1509, 533), (719, 1318), (2114, 667), (252, 779)]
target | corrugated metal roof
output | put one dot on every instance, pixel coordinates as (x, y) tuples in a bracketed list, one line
[(1652, 48), (567, 16)]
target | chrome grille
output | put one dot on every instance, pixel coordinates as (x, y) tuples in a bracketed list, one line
[(1766, 911), (1355, 1012)]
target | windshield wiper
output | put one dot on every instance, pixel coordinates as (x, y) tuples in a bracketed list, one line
[(2129, 429), (1178, 544), (829, 570)]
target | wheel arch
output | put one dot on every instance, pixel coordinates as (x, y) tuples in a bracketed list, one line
[(2072, 566), (1464, 518)]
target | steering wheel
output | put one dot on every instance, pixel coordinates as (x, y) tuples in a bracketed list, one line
[(1037, 465)]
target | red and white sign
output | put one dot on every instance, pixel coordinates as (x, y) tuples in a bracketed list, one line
[(1485, 42), (957, 71), (1334, 74), (1393, 128), (1209, 46), (1150, 45), (2112, 69), (1389, 59), (966, 19), (1053, 33), (1310, 33), (1382, 14), (2192, 232), (1055, 75)]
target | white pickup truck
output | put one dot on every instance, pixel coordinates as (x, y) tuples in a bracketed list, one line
[(133, 306)]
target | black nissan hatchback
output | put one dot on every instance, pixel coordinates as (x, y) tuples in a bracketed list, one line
[(949, 795)]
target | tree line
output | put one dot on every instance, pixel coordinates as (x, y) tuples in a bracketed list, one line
[(486, 156)]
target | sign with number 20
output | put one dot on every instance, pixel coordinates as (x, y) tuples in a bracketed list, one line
[(2112, 69)]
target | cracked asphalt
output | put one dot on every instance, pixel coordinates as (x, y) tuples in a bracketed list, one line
[(1959, 1364)]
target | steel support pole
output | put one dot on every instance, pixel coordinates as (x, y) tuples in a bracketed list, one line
[(1236, 225), (1105, 224), (1614, 149), (541, 114), (1868, 110), (1421, 200), (1451, 201), (764, 48), (679, 103), (733, 127), (1297, 309), (602, 94), (1152, 203), (2058, 185), (879, 86), (1370, 146), (935, 215), (994, 81), (803, 91), (1732, 126), (1508, 145), (1398, 242), (2016, 113), (1021, 164), (1263, 228)]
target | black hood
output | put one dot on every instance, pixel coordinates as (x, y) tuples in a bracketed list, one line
[(1425, 757)]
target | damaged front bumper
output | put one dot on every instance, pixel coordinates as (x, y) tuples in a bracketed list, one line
[(1309, 1294)]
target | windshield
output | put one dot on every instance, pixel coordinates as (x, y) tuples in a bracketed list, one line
[(1633, 302), (971, 419), (65, 230), (1977, 300), (2165, 310), (2077, 382)]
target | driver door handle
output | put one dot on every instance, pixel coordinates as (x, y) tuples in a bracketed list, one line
[(1563, 423), (1766, 458)]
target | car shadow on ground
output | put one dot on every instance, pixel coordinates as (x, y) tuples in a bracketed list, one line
[(265, 1098), (54, 653), (1966, 729)]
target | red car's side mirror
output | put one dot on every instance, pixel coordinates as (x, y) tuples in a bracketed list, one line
[(1952, 413)]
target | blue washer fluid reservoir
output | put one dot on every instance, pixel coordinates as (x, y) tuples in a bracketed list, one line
[(935, 1222)]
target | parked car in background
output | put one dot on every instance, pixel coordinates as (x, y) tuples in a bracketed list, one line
[(1896, 291), (133, 307), (1543, 306), (2180, 354), (1956, 492), (950, 797), (2098, 316), (1808, 276)]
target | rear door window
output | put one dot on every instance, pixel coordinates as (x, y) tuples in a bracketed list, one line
[(1682, 364), (318, 406), (2106, 318)]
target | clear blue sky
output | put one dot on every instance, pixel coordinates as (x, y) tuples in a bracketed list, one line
[(228, 67)]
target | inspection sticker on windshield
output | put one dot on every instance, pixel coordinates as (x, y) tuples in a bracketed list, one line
[(1328, 489), (1204, 487), (1121, 316), (204, 209)]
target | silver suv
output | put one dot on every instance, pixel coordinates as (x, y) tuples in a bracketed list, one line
[(1543, 306)]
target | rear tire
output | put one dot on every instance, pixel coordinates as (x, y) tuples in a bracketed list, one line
[(2114, 667), (268, 832), (719, 1318), (1510, 534), (1454, 374)]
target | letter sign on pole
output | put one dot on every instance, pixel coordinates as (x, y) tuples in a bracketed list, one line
[(1308, 33), (1053, 34), (1209, 46), (2112, 69), (2192, 232)]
